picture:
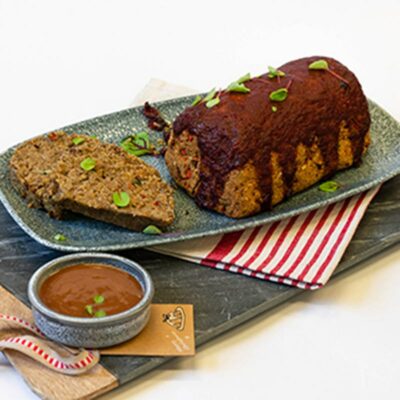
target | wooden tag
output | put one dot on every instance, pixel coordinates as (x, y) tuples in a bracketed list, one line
[(169, 332)]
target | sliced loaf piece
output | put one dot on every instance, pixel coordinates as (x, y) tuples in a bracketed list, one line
[(48, 171)]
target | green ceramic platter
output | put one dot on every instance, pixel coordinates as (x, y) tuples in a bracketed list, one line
[(82, 234)]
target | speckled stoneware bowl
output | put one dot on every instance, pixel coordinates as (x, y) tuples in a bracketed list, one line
[(91, 332)]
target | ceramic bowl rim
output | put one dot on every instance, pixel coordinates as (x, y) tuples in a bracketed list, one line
[(113, 319)]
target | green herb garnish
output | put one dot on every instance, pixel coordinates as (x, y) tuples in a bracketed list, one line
[(323, 65), (319, 65), (88, 164), (121, 199), (196, 100), (98, 299), (138, 144), (137, 182), (152, 230), (329, 186), (100, 314), (89, 309), (77, 140), (274, 108), (213, 102), (210, 95), (60, 237), (244, 78), (279, 94), (238, 87), (274, 73)]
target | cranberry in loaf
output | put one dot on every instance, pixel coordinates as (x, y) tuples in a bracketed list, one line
[(276, 135)]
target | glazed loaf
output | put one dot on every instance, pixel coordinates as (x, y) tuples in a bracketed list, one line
[(250, 151)]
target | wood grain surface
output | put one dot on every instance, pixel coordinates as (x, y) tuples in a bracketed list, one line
[(46, 383)]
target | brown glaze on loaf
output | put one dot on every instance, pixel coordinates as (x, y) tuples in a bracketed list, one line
[(321, 120)]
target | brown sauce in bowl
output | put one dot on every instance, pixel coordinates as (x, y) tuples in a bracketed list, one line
[(90, 290)]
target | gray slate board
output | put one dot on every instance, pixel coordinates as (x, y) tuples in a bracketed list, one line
[(235, 298)]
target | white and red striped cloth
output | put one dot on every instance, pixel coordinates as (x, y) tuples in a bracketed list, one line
[(301, 251), (52, 355)]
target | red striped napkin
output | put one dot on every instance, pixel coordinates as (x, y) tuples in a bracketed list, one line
[(301, 251)]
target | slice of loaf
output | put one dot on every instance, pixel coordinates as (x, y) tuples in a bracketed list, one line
[(47, 171)]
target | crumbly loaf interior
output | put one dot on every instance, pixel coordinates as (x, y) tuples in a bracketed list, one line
[(116, 171), (241, 196), (31, 171), (49, 176)]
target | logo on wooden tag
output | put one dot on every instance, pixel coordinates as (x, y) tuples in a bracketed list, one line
[(176, 318)]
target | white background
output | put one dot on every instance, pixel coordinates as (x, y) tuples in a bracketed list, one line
[(65, 61)]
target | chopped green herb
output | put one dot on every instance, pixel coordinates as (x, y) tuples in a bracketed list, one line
[(323, 66), (137, 182), (88, 164), (273, 72), (238, 87), (98, 299), (274, 108), (60, 237), (152, 230), (141, 139), (213, 102), (77, 140), (196, 100), (244, 78), (121, 199), (138, 144), (100, 314), (279, 94), (89, 309), (318, 65), (329, 186), (210, 95)]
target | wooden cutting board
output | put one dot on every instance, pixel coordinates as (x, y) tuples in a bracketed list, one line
[(176, 281)]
